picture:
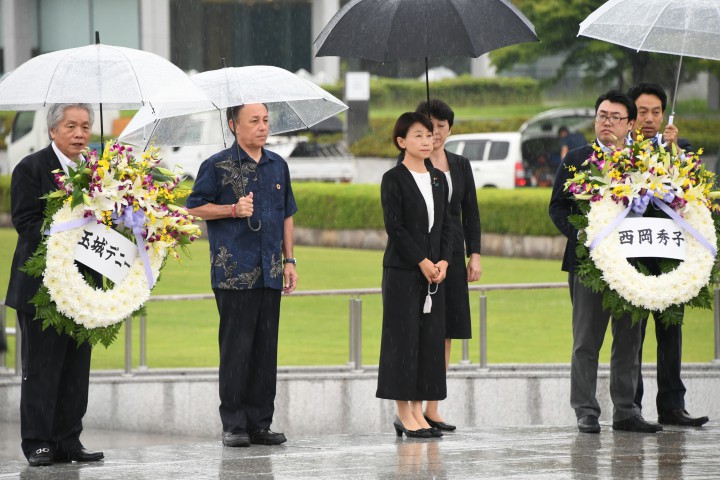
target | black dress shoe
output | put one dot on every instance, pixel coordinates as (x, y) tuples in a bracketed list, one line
[(80, 455), (267, 437), (588, 424), (637, 424), (681, 417), (419, 433), (41, 457), (440, 425), (235, 439), (434, 432)]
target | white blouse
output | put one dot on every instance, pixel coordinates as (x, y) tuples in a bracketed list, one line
[(423, 183)]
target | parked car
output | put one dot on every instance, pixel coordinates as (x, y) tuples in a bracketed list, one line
[(541, 141), (496, 158)]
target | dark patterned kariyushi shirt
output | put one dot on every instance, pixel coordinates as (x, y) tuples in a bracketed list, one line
[(241, 258)]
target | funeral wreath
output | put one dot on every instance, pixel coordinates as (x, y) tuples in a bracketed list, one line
[(641, 180), (115, 213)]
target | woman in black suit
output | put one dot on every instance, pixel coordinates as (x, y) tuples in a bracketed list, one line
[(412, 353), (466, 238)]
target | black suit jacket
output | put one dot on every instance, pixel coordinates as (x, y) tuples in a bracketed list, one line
[(31, 179), (406, 219), (562, 203), (464, 211)]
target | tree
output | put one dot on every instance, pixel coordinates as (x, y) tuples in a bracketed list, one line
[(557, 23)]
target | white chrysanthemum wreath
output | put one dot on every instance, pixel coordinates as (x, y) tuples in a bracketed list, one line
[(650, 292), (74, 298)]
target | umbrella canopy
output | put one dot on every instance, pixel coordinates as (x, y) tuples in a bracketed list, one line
[(115, 77), (387, 30), (676, 27), (293, 104)]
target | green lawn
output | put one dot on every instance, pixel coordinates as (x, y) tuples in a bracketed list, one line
[(523, 327)]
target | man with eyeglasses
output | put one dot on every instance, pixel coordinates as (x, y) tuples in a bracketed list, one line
[(615, 115), (651, 100)]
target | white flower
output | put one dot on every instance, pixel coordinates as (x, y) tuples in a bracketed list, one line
[(652, 292), (76, 299)]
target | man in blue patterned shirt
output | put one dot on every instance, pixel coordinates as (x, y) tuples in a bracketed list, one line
[(244, 194)]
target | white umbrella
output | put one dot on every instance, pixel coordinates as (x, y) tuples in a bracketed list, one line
[(676, 27), (293, 104), (108, 76)]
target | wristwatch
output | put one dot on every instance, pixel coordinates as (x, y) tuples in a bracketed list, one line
[(289, 260)]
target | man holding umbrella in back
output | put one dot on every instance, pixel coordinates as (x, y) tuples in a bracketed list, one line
[(55, 370), (244, 194), (651, 100)]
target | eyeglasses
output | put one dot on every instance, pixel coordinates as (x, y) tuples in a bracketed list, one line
[(602, 118)]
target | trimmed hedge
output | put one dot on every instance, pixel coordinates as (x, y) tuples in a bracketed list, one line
[(348, 206), (5, 193), (339, 206), (459, 92)]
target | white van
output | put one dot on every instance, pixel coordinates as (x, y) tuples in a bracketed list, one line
[(496, 158)]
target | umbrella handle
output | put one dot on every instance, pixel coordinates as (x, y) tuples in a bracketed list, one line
[(671, 118)]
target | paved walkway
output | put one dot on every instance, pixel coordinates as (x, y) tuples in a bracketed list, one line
[(487, 453)]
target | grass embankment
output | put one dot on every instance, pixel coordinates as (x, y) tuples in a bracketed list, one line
[(523, 327)]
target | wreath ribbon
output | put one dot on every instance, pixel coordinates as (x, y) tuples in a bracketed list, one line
[(639, 205), (134, 220)]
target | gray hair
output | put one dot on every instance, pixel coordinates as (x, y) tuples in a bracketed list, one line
[(56, 112)]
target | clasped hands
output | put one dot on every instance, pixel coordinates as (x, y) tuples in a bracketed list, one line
[(244, 206), (433, 272)]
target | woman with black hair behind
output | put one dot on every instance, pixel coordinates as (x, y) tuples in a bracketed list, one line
[(414, 200), (465, 218)]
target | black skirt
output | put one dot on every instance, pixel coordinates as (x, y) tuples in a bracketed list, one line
[(412, 351), (457, 301)]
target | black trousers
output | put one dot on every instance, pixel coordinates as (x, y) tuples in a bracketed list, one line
[(671, 390), (412, 349), (54, 390), (248, 340)]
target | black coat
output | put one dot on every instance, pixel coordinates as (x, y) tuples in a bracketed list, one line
[(31, 179), (463, 206), (406, 219), (562, 203)]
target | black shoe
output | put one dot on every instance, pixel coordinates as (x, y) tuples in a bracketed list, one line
[(79, 455), (267, 437), (440, 425), (235, 439), (588, 424), (419, 433), (681, 417), (434, 432), (637, 424), (41, 457)]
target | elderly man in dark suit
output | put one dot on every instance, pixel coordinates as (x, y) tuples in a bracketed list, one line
[(651, 100), (615, 117), (55, 370)]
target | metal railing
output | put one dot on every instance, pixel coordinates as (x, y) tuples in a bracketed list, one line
[(354, 323)]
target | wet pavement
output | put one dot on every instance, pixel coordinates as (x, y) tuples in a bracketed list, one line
[(492, 452)]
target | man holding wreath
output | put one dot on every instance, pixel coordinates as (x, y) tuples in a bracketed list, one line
[(615, 115)]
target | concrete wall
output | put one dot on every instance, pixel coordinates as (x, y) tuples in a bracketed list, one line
[(325, 400)]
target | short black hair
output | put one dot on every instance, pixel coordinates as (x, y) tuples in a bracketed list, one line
[(407, 120), (649, 89), (232, 112), (438, 109), (616, 96)]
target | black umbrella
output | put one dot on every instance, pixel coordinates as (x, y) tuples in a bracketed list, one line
[(388, 30)]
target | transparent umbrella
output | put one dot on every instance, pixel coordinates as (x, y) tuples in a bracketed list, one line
[(293, 104), (676, 27), (107, 76)]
